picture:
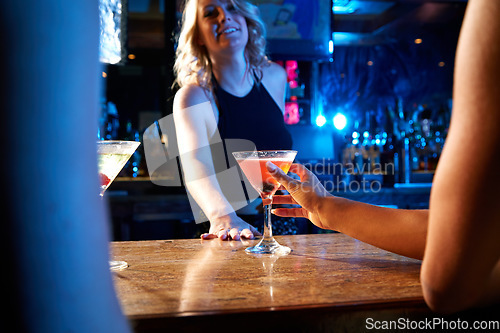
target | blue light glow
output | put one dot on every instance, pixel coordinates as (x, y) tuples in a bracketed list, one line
[(366, 134), (343, 9), (355, 135), (320, 120), (339, 121)]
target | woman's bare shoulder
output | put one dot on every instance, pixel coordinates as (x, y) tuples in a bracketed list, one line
[(274, 80), (190, 95), (273, 73)]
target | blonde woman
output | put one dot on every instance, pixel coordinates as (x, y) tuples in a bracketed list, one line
[(228, 90)]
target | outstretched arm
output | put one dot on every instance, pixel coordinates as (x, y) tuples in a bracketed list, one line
[(396, 230), (196, 129), (461, 265)]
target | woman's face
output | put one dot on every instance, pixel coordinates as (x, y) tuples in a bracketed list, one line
[(221, 26)]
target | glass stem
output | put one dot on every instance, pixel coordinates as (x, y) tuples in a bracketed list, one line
[(268, 228)]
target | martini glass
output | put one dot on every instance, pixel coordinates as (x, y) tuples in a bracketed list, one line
[(253, 164), (111, 158)]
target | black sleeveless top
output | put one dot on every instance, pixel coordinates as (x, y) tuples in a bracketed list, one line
[(255, 117)]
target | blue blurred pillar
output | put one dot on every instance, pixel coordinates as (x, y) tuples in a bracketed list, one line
[(55, 233)]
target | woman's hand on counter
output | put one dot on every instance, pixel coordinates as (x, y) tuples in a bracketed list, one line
[(230, 227)]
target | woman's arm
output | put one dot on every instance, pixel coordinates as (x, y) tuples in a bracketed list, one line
[(461, 265), (196, 128), (400, 231), (463, 244), (396, 230)]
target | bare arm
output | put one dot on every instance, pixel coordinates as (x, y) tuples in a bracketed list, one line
[(196, 129), (396, 230), (463, 244), (461, 265)]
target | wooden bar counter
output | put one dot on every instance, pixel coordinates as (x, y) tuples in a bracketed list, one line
[(329, 281), (326, 280)]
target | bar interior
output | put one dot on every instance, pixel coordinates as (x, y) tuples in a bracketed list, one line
[(367, 105), (368, 102)]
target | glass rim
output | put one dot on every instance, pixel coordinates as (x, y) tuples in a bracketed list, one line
[(266, 151), (117, 147), (117, 142)]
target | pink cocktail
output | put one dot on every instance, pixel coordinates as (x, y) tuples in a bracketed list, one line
[(253, 164)]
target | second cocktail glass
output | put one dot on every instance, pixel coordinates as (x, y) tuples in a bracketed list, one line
[(253, 164), (111, 158)]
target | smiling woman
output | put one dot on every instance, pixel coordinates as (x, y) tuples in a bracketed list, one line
[(221, 65), (192, 63), (221, 28)]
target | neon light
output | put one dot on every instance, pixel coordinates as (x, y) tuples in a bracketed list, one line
[(339, 121), (320, 120)]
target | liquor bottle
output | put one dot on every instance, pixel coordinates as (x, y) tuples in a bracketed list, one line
[(133, 166), (389, 161)]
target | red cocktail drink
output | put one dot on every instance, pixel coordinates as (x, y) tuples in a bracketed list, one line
[(253, 164), (256, 171)]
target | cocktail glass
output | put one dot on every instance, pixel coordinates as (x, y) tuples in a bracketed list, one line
[(111, 158), (253, 164)]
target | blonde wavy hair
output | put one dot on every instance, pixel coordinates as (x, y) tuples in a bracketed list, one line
[(192, 62)]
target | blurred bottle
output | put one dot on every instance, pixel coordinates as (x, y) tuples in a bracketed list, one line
[(358, 160), (109, 122), (375, 151), (133, 168), (112, 122), (103, 120), (389, 161), (406, 160)]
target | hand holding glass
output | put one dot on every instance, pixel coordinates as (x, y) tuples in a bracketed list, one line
[(253, 164)]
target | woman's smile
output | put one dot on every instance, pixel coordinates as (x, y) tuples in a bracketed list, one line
[(225, 23), (227, 31)]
